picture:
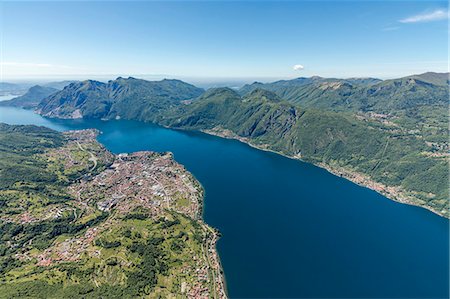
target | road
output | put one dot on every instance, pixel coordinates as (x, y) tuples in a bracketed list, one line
[(93, 158)]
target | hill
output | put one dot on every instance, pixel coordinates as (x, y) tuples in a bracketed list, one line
[(391, 136), (280, 86), (121, 98), (59, 84), (362, 94), (384, 157), (442, 79), (7, 88), (416, 103), (31, 98)]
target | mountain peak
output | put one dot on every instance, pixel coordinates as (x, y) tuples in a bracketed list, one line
[(262, 94), (124, 79), (124, 97), (35, 87), (89, 85), (442, 79), (220, 92), (31, 98)]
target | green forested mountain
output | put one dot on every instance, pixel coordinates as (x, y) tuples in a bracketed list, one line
[(304, 81), (442, 79), (120, 98), (389, 135), (418, 103), (7, 88), (59, 84), (362, 95), (410, 169), (31, 98)]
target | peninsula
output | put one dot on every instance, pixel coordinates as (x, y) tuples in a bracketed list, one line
[(77, 220)]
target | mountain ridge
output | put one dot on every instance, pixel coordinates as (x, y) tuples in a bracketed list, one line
[(388, 136), (369, 152), (31, 98), (310, 92), (95, 99)]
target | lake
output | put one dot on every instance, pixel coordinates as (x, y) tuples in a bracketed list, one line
[(7, 97), (291, 229)]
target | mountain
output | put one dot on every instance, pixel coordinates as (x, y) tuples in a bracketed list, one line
[(394, 95), (281, 86), (442, 79), (391, 136), (274, 86), (263, 95), (59, 84), (121, 98), (250, 116), (7, 88), (418, 103), (363, 81), (362, 94), (88, 98), (390, 160), (12, 87), (31, 98)]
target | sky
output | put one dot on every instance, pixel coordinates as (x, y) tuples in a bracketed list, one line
[(218, 39)]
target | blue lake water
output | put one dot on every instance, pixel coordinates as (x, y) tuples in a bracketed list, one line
[(291, 229), (7, 97)]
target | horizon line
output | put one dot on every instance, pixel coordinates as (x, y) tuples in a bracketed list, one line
[(211, 79)]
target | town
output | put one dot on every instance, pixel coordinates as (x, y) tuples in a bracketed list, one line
[(119, 199)]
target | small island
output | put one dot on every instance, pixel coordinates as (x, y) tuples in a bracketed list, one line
[(77, 220)]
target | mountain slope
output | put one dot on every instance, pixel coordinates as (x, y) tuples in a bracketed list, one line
[(279, 87), (88, 98), (389, 160), (7, 88), (31, 98), (121, 98), (442, 79), (417, 103), (350, 95), (59, 84), (390, 136)]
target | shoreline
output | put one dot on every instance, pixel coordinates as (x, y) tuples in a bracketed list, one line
[(215, 260), (216, 284), (222, 292), (390, 192)]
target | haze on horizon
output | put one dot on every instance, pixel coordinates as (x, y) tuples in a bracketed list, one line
[(208, 41)]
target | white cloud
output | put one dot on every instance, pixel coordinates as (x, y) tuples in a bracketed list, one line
[(439, 14), (298, 67)]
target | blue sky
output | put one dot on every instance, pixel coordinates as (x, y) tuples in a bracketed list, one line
[(213, 39)]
